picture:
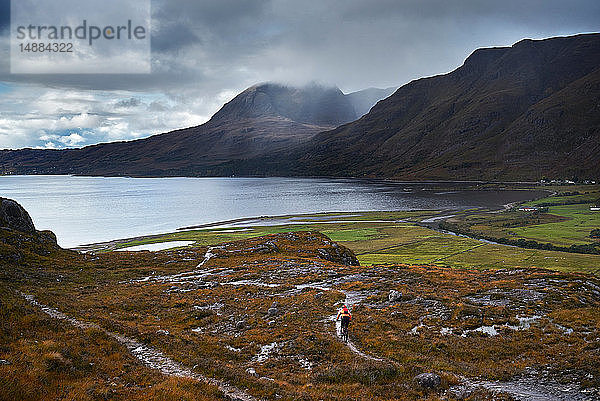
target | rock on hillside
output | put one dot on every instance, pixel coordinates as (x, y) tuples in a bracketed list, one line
[(19, 240), (308, 244), (15, 217)]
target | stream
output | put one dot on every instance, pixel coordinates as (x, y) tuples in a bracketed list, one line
[(532, 386)]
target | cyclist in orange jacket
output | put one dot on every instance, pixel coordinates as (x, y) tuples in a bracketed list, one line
[(346, 317)]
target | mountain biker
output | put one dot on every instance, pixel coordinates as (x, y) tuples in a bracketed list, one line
[(346, 317)]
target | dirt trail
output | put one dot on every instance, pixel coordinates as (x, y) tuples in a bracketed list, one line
[(354, 349), (522, 389), (147, 355), (351, 299)]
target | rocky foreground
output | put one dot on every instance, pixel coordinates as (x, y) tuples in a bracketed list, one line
[(255, 319)]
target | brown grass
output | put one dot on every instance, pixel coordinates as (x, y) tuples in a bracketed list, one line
[(219, 329)]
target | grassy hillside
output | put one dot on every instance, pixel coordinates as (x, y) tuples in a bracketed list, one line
[(563, 220), (248, 313), (257, 315)]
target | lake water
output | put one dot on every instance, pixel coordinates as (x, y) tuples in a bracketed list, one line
[(82, 210)]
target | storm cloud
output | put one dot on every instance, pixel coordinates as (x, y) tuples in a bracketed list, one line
[(204, 52)]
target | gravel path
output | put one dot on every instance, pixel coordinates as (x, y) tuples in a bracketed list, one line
[(147, 355)]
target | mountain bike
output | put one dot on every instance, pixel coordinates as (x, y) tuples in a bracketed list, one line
[(344, 333)]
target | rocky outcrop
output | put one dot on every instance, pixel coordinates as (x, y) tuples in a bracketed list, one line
[(394, 296), (273, 310), (308, 244), (428, 380), (339, 254), (15, 217), (18, 236)]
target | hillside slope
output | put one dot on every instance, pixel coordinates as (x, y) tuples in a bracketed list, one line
[(255, 319), (518, 112)]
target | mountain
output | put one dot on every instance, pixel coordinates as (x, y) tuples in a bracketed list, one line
[(519, 112), (508, 113), (262, 120)]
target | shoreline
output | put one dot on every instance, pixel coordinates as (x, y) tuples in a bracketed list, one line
[(224, 224), (254, 221), (381, 179)]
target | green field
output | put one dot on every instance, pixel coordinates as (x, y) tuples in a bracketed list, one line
[(575, 230), (564, 221), (565, 195), (395, 237)]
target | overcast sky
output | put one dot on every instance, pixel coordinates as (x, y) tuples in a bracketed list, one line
[(206, 51)]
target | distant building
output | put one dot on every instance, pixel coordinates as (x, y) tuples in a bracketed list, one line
[(528, 209), (595, 208)]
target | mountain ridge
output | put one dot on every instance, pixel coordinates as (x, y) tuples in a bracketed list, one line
[(263, 119), (522, 112), (456, 125)]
